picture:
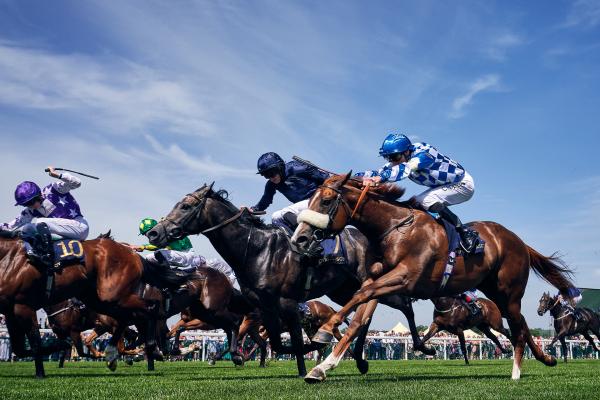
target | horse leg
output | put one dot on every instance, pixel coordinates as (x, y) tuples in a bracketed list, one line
[(394, 282), (487, 332), (262, 344), (357, 354), (111, 352), (151, 347), (563, 346), (433, 329), (89, 344), (590, 339), (463, 345), (361, 317), (175, 351), (295, 330)]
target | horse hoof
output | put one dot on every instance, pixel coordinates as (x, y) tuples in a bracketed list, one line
[(40, 376), (211, 362), (316, 375), (129, 361), (238, 360), (323, 337), (112, 365), (550, 361), (428, 351), (363, 366)]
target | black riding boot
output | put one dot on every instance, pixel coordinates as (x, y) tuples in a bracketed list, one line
[(289, 222), (39, 239), (468, 237)]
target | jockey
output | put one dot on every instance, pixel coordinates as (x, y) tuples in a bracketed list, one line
[(52, 210), (470, 298), (296, 181), (570, 300), (449, 183), (178, 254)]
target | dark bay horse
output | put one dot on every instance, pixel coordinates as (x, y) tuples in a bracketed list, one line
[(565, 323), (249, 326), (414, 250), (69, 318), (111, 281), (272, 274), (452, 315)]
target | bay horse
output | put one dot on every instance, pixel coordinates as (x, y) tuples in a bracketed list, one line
[(452, 315), (272, 273), (112, 281), (414, 251), (565, 323), (249, 327), (69, 318)]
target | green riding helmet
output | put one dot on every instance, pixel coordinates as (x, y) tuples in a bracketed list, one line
[(146, 225)]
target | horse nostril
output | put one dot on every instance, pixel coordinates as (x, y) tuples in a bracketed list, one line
[(152, 234), (301, 240)]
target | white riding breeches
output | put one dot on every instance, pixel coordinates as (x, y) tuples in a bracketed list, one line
[(77, 228), (177, 259), (296, 208), (454, 193)]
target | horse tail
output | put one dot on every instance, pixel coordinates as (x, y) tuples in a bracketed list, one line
[(552, 269)]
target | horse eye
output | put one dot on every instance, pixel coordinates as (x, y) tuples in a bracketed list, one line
[(185, 206), (326, 202)]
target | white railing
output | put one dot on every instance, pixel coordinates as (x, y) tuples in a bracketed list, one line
[(443, 344)]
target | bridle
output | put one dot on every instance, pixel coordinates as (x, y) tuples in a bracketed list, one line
[(197, 211)]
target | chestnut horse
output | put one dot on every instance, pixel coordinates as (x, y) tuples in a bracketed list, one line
[(69, 318), (272, 273), (414, 250), (452, 315), (111, 281), (565, 323)]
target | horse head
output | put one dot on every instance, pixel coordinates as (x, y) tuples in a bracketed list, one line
[(545, 304), (327, 214), (186, 218)]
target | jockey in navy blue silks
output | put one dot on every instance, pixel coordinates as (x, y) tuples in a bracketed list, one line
[(295, 180), (449, 183), (52, 210)]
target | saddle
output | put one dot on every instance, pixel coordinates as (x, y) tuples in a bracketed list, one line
[(51, 252)]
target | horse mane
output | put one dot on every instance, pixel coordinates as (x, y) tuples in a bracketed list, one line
[(389, 192), (222, 195), (106, 235)]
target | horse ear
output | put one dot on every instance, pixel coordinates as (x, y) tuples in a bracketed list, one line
[(211, 186), (346, 178)]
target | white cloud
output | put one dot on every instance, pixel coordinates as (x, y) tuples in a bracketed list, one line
[(484, 83), (173, 153), (499, 45), (110, 92), (583, 13)]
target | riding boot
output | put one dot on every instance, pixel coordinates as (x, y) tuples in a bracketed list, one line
[(289, 222), (38, 244), (468, 237)]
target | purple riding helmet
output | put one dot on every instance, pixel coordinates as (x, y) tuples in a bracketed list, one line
[(25, 192)]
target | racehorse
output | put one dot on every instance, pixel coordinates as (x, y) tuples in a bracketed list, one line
[(272, 273), (565, 323), (69, 318), (112, 281), (452, 315), (414, 250), (248, 327)]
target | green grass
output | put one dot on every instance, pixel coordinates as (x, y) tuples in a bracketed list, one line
[(482, 380)]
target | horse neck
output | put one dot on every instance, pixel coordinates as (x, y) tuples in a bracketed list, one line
[(374, 217), (558, 308), (233, 241)]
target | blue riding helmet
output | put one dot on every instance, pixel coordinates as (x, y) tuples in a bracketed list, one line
[(26, 191), (270, 161), (394, 143)]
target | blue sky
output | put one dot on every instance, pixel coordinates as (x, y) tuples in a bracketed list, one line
[(159, 97)]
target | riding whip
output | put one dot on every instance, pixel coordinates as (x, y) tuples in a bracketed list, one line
[(310, 164), (75, 172)]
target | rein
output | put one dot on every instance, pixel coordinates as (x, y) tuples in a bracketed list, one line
[(227, 221), (405, 222), (451, 309)]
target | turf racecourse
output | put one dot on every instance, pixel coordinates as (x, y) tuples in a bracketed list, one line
[(386, 379)]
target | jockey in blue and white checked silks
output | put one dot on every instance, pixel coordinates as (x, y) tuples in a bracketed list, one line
[(448, 181)]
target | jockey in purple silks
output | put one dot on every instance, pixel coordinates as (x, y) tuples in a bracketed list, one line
[(49, 211)]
